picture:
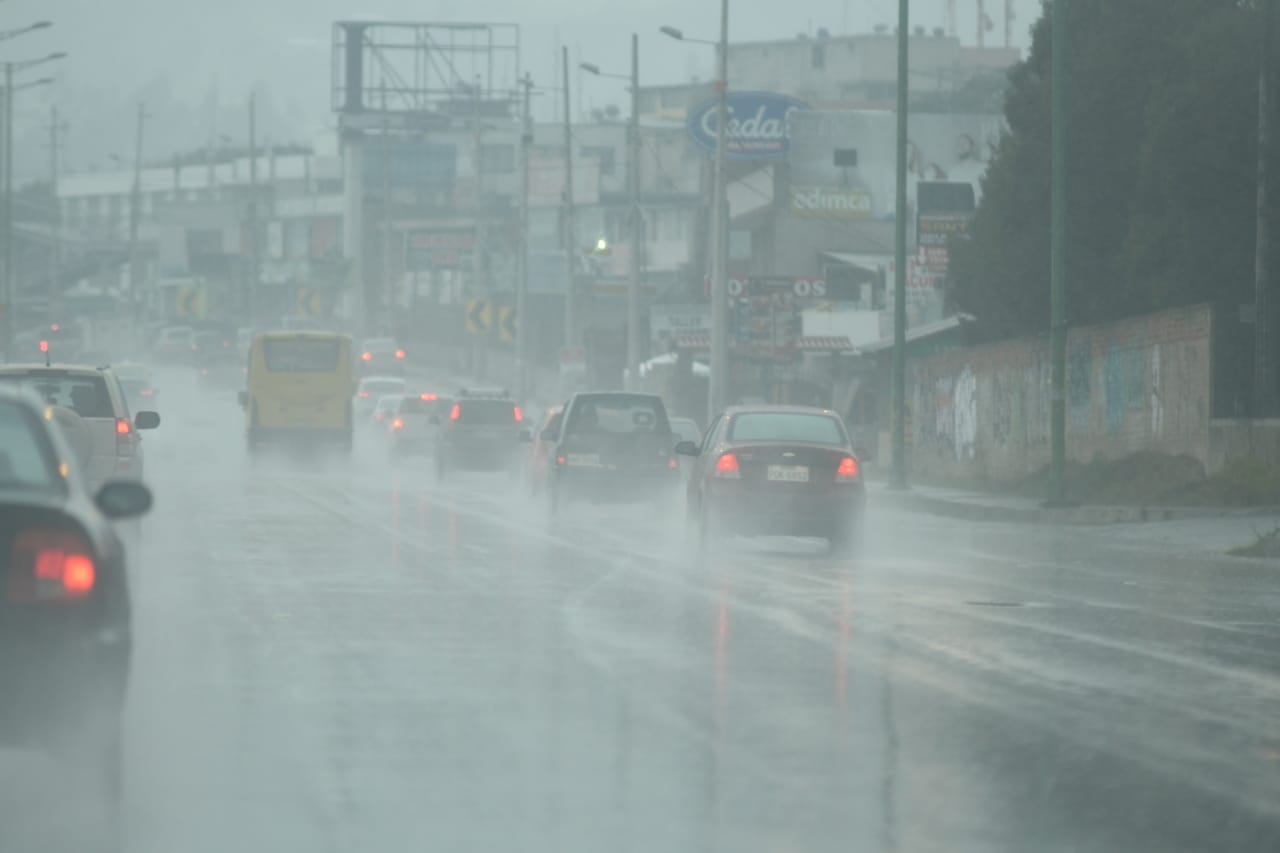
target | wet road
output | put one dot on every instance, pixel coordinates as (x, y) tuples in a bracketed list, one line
[(353, 657)]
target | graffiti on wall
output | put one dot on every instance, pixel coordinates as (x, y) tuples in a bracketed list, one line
[(1140, 384)]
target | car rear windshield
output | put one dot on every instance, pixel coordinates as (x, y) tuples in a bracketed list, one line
[(299, 355), (380, 345), (786, 426), (419, 406), (486, 412), (25, 462), (382, 386), (618, 413), (86, 395)]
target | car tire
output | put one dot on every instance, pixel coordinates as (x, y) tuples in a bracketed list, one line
[(845, 538)]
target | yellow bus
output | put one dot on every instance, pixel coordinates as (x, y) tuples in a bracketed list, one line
[(299, 387)]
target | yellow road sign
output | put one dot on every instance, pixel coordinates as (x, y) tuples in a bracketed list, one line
[(479, 316), (507, 323)]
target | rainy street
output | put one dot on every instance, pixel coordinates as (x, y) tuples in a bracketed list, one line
[(352, 656)]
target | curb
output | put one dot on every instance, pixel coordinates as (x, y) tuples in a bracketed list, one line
[(1080, 515)]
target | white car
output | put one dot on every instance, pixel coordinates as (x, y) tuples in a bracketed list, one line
[(95, 395), (385, 409), (370, 388)]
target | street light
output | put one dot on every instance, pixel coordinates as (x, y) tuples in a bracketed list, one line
[(679, 35), (634, 216), (717, 397), (5, 35)]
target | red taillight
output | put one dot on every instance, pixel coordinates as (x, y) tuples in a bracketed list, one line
[(727, 466), (204, 371), (195, 346), (397, 424), (50, 565), (673, 463), (364, 395), (122, 426), (560, 459), (519, 414), (368, 356), (456, 412), (399, 353), (147, 392), (429, 398), (848, 469), (44, 346), (54, 327)]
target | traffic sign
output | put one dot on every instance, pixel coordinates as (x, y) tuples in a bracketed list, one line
[(507, 323), (479, 316)]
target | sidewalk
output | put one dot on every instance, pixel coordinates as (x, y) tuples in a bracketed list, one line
[(987, 506)]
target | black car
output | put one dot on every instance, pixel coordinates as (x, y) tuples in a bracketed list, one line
[(65, 640), (612, 446), (776, 470), (483, 431)]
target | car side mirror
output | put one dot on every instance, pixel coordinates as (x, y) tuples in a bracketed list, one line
[(146, 420), (686, 448), (548, 435), (123, 499), (244, 399)]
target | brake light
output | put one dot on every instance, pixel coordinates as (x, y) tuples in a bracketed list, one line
[(204, 371), (147, 392), (429, 398), (456, 412), (195, 347), (727, 467), (848, 469), (54, 327), (44, 346), (560, 459), (397, 424), (673, 463), (399, 353), (519, 414), (368, 356), (50, 565), (364, 395), (122, 426)]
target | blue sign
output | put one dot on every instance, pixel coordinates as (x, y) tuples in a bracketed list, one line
[(758, 128)]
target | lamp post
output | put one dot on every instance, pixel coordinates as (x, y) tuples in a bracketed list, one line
[(6, 237), (570, 248), (719, 383), (633, 216), (5, 35), (898, 473)]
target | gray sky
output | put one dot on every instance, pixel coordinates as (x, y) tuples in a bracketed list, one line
[(170, 53)]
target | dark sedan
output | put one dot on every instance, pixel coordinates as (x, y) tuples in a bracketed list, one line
[(776, 470), (64, 599)]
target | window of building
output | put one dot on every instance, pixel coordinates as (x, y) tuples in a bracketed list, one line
[(497, 159), (603, 153)]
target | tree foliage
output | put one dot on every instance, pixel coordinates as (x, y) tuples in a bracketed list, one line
[(1161, 173)]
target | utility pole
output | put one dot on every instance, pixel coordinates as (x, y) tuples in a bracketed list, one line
[(55, 244), (1263, 342), (480, 286), (570, 248), (386, 202), (6, 299), (251, 302), (1058, 260), (718, 386), (982, 25), (135, 216), (522, 252), (637, 223), (898, 475)]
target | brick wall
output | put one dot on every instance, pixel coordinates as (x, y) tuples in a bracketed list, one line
[(982, 414)]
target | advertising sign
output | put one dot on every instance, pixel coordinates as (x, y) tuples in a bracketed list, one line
[(667, 322), (765, 320), (758, 126), (831, 202), (440, 248)]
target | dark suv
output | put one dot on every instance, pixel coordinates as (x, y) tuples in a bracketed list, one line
[(483, 431), (612, 446)]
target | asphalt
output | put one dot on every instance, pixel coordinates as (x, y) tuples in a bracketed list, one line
[(346, 655)]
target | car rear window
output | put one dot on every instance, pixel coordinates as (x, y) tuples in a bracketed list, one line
[(299, 355), (86, 395), (25, 462), (383, 386), (380, 345), (786, 426), (686, 431), (486, 412), (418, 406), (618, 413)]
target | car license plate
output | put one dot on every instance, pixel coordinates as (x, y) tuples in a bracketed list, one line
[(584, 460), (788, 473)]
